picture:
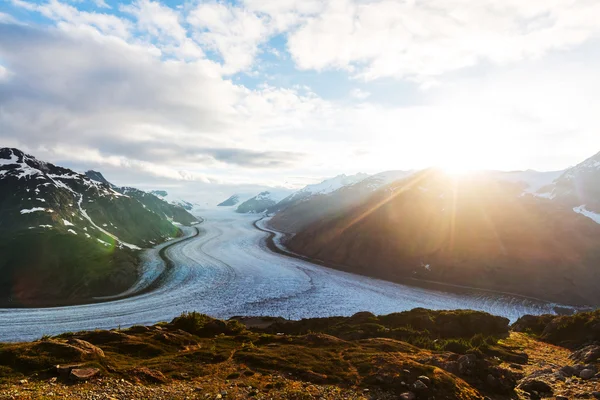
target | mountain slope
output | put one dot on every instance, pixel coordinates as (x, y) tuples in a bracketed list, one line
[(230, 202), (152, 201), (578, 187), (176, 201), (473, 231), (325, 187), (308, 208), (65, 237), (262, 201)]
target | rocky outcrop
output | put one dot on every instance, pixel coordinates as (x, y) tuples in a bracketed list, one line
[(587, 354)]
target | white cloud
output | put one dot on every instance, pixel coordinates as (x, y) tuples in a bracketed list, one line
[(137, 96), (383, 38), (162, 24), (67, 14), (359, 94), (235, 33), (101, 4)]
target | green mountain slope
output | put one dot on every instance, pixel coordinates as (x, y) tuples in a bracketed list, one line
[(66, 238)]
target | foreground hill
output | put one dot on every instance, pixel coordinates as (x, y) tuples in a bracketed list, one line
[(66, 238), (473, 230), (418, 354)]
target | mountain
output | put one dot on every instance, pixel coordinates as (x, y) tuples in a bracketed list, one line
[(307, 208), (151, 201), (177, 201), (472, 230), (173, 212), (578, 187), (98, 177), (230, 202), (258, 204), (263, 201), (530, 181), (66, 238), (325, 187)]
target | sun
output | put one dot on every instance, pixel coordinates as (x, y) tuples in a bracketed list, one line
[(458, 167)]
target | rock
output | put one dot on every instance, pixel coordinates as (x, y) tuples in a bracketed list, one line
[(83, 374), (578, 368), (562, 398), (530, 385), (491, 381), (467, 358), (408, 396), (516, 366), (148, 375), (424, 379), (559, 375), (65, 370), (587, 374), (86, 347), (420, 386), (567, 371), (596, 395), (587, 354)]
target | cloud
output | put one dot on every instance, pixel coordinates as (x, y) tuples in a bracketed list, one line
[(137, 90), (232, 31), (382, 38), (101, 4), (252, 159), (162, 24), (359, 94), (78, 89), (67, 14)]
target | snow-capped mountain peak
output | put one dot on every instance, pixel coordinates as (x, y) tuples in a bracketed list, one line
[(332, 184)]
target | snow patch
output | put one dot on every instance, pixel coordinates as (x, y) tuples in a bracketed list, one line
[(67, 223), (34, 209), (86, 216), (592, 215), (72, 231)]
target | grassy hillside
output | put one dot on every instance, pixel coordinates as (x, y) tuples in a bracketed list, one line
[(50, 268), (458, 354), (214, 356)]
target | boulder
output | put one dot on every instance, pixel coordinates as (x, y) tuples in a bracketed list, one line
[(587, 374), (531, 385), (88, 348), (424, 379), (148, 375), (567, 371), (83, 374), (65, 370)]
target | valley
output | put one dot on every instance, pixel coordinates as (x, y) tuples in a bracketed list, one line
[(227, 270)]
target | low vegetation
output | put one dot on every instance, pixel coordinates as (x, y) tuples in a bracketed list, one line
[(401, 354), (571, 331)]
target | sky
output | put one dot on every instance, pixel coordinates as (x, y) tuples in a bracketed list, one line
[(207, 98)]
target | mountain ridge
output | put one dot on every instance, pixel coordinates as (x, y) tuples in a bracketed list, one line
[(67, 238)]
